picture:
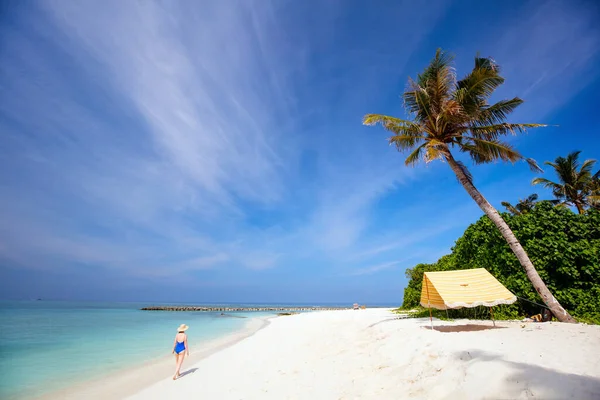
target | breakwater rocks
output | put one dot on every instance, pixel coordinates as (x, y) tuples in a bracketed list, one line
[(243, 309)]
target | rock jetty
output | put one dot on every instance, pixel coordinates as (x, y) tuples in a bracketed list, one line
[(244, 309)]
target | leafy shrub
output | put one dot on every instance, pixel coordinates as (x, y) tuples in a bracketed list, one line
[(563, 246)]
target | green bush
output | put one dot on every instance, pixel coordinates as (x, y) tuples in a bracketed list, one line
[(563, 246)]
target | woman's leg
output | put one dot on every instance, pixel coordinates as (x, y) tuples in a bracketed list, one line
[(177, 365), (180, 358)]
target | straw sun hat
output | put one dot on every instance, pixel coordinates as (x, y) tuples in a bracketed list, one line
[(182, 328)]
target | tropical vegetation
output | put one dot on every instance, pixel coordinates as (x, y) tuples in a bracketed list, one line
[(523, 206), (449, 115), (565, 247), (577, 186)]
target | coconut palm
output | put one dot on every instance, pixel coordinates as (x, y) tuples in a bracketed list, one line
[(594, 197), (449, 115), (523, 206), (576, 185)]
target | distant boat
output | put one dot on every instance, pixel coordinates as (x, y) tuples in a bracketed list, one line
[(39, 300)]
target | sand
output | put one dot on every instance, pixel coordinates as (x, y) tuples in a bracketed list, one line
[(370, 354)]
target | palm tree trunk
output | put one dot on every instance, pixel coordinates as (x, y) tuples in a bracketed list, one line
[(559, 312)]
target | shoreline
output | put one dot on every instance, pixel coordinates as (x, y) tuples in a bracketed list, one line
[(373, 354), (370, 353), (238, 309), (127, 382)]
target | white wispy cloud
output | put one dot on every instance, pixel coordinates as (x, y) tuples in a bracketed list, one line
[(144, 136), (208, 117), (259, 260), (375, 268), (198, 134), (208, 94)]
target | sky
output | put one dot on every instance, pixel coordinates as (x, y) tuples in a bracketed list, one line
[(213, 151)]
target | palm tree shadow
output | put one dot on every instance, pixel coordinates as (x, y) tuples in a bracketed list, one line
[(382, 321), (189, 371), (539, 381)]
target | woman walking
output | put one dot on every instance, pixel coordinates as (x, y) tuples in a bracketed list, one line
[(180, 348)]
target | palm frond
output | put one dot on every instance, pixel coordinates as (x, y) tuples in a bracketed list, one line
[(498, 112), (532, 198), (450, 116), (566, 167), (480, 83), (594, 188), (474, 89), (441, 62), (547, 183), (510, 208), (527, 204), (426, 96), (405, 142), (415, 155), (586, 168), (410, 97), (387, 122), (484, 151), (575, 180), (395, 125), (438, 80), (433, 153), (418, 102), (492, 132), (533, 165)]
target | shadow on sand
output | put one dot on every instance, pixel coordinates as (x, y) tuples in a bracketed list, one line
[(382, 321), (188, 372), (462, 328), (543, 383)]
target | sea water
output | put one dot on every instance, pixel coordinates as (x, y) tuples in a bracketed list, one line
[(47, 346)]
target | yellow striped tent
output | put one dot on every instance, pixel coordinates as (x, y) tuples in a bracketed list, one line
[(463, 288)]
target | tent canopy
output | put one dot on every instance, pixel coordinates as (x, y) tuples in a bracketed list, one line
[(463, 288)]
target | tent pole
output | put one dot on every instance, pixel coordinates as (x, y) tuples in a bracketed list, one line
[(430, 318), (429, 304), (492, 312)]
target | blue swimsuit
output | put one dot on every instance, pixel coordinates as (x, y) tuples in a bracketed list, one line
[(179, 347)]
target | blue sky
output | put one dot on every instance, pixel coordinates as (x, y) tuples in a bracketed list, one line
[(213, 151)]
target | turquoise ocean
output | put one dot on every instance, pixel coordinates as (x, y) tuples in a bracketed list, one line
[(49, 345)]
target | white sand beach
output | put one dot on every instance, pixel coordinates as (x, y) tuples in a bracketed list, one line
[(370, 354)]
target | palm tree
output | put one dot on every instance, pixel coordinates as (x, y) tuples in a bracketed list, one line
[(455, 115), (576, 183), (594, 197), (523, 206)]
